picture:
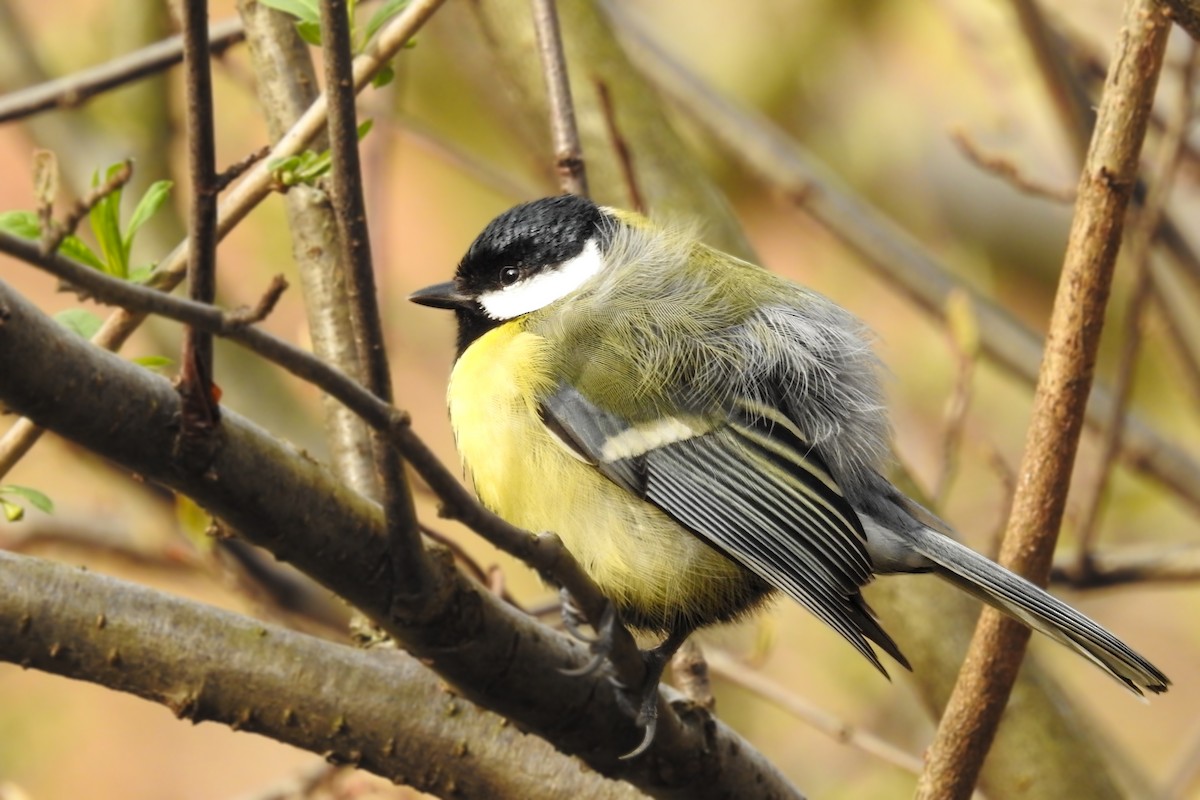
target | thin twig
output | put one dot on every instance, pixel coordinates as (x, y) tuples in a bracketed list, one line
[(240, 167), (1006, 169), (252, 315), (240, 200), (53, 233), (200, 409), (1067, 95), (621, 146), (568, 152), (963, 333), (1141, 242), (1175, 309), (74, 89), (400, 515), (725, 666), (487, 173), (973, 713), (1178, 564)]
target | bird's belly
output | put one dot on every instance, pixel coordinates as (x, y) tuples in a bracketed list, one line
[(656, 572)]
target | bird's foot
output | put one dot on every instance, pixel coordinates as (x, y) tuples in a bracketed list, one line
[(642, 703), (599, 645)]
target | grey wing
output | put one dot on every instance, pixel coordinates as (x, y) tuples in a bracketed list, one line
[(751, 487)]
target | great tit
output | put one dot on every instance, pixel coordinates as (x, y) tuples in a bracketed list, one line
[(701, 434)]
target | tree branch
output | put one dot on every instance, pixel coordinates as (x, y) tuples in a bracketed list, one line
[(1110, 172), (568, 152), (200, 408), (73, 90), (349, 705)]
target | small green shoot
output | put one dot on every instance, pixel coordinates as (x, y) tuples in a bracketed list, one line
[(307, 167), (13, 511)]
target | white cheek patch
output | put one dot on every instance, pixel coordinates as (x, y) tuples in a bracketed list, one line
[(545, 287)]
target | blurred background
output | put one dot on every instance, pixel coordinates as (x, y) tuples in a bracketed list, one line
[(891, 97)]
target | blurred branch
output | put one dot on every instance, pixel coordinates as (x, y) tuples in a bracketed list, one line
[(568, 152), (407, 555), (973, 713), (239, 201), (1186, 772), (1179, 564), (963, 333), (621, 146), (779, 161), (71, 91), (1141, 242), (349, 705), (1187, 14), (1007, 170), (281, 500), (1068, 96), (1172, 295), (725, 666)]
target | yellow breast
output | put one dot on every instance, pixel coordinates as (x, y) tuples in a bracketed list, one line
[(651, 568)]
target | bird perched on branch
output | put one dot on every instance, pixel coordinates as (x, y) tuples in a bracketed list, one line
[(700, 433)]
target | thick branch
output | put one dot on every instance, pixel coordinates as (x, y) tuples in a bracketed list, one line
[(1105, 188), (351, 706)]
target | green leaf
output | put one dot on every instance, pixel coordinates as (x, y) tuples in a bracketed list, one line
[(303, 10), (382, 14), (385, 76), (12, 511), (364, 128), (309, 32), (106, 226), (152, 362), (35, 498), (141, 274), (74, 247), (79, 320), (147, 207), (21, 223)]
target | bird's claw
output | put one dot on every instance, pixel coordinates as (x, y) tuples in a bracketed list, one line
[(642, 705), (599, 645)]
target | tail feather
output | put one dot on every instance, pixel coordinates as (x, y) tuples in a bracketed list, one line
[(1038, 609)]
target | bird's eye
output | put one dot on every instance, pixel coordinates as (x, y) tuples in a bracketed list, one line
[(509, 275)]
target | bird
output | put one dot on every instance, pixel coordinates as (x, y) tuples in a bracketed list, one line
[(701, 433)]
